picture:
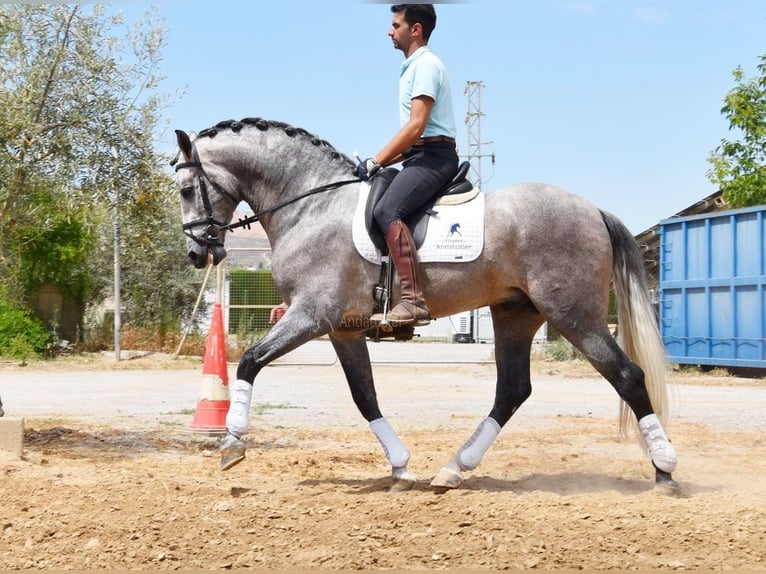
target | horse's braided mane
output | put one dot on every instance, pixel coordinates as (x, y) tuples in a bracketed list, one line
[(264, 125)]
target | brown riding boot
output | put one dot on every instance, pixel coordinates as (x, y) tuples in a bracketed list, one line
[(411, 307)]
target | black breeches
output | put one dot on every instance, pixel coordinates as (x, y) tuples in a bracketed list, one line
[(426, 171)]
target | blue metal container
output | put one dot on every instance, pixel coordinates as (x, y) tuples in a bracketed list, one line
[(712, 289)]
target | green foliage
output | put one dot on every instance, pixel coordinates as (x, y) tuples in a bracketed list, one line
[(57, 256), (159, 286), (739, 167), (561, 350), (21, 335), (79, 114), (611, 314)]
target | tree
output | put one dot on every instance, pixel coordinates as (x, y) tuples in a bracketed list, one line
[(79, 112), (739, 167)]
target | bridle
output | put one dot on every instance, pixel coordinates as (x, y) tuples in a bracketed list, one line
[(211, 237)]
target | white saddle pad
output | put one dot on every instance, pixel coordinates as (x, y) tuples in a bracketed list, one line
[(455, 234)]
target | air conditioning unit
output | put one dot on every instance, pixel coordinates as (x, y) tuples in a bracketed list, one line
[(462, 325)]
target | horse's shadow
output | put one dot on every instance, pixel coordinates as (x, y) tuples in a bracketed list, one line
[(565, 483)]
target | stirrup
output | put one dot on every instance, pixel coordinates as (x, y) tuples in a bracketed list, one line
[(380, 321), (422, 322)]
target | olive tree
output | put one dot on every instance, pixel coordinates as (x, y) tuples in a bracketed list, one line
[(80, 110)]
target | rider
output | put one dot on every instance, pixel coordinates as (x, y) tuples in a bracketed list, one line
[(426, 143)]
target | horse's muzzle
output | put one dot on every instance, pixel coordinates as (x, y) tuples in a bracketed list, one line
[(201, 259)]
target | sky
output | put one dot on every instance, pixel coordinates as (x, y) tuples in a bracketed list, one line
[(616, 100)]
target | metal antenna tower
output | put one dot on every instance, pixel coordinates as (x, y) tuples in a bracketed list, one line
[(473, 121)]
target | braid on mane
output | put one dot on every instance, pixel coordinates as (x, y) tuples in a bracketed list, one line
[(264, 125)]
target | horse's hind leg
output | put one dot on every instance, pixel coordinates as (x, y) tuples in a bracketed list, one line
[(627, 378), (354, 357), (515, 324)]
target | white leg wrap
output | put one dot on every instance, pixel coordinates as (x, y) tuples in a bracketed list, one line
[(238, 417), (396, 452), (469, 456), (658, 445)]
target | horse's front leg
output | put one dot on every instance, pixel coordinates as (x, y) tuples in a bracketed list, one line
[(296, 327), (354, 357)]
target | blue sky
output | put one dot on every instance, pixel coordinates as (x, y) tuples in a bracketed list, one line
[(616, 100)]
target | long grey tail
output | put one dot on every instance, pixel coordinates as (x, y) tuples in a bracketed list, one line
[(639, 334)]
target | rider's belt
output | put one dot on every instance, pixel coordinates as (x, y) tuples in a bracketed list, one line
[(435, 139)]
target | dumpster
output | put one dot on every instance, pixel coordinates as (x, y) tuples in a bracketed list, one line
[(712, 288)]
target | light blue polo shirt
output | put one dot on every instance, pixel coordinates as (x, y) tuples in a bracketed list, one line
[(423, 74)]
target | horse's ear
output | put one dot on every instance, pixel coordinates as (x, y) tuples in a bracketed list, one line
[(184, 143)]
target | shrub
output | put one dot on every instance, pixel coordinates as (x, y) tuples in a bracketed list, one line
[(21, 335), (561, 350)]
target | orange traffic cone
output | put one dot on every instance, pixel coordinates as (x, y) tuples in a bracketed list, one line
[(213, 403)]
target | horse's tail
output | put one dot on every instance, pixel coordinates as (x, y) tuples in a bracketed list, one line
[(638, 333)]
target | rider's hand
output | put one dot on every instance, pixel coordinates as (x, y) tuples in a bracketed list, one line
[(367, 168)]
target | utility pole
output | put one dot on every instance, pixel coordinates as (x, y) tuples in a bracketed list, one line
[(475, 156), (117, 282), (473, 121)]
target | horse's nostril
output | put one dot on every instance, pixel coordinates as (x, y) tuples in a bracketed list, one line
[(199, 260)]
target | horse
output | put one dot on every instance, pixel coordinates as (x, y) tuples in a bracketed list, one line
[(548, 255)]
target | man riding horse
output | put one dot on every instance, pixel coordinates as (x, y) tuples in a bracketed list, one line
[(426, 143)]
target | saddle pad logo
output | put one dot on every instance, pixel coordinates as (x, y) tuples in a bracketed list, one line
[(455, 233)]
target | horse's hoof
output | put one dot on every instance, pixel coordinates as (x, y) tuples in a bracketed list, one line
[(668, 488), (665, 485), (446, 479), (232, 452), (403, 482)]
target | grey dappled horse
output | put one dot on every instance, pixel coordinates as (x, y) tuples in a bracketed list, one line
[(548, 256)]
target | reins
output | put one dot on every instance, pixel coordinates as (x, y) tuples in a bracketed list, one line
[(256, 216)]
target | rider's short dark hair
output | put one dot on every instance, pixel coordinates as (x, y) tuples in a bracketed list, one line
[(423, 14)]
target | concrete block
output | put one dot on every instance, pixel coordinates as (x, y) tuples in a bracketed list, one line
[(12, 435)]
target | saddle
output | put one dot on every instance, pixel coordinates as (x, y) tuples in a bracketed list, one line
[(457, 191)]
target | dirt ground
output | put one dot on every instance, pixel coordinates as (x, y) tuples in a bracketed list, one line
[(568, 495)]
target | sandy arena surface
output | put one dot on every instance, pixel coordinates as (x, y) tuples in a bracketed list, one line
[(113, 478)]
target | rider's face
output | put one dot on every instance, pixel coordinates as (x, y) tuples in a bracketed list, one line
[(400, 33)]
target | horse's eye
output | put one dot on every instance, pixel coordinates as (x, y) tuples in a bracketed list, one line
[(187, 192)]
